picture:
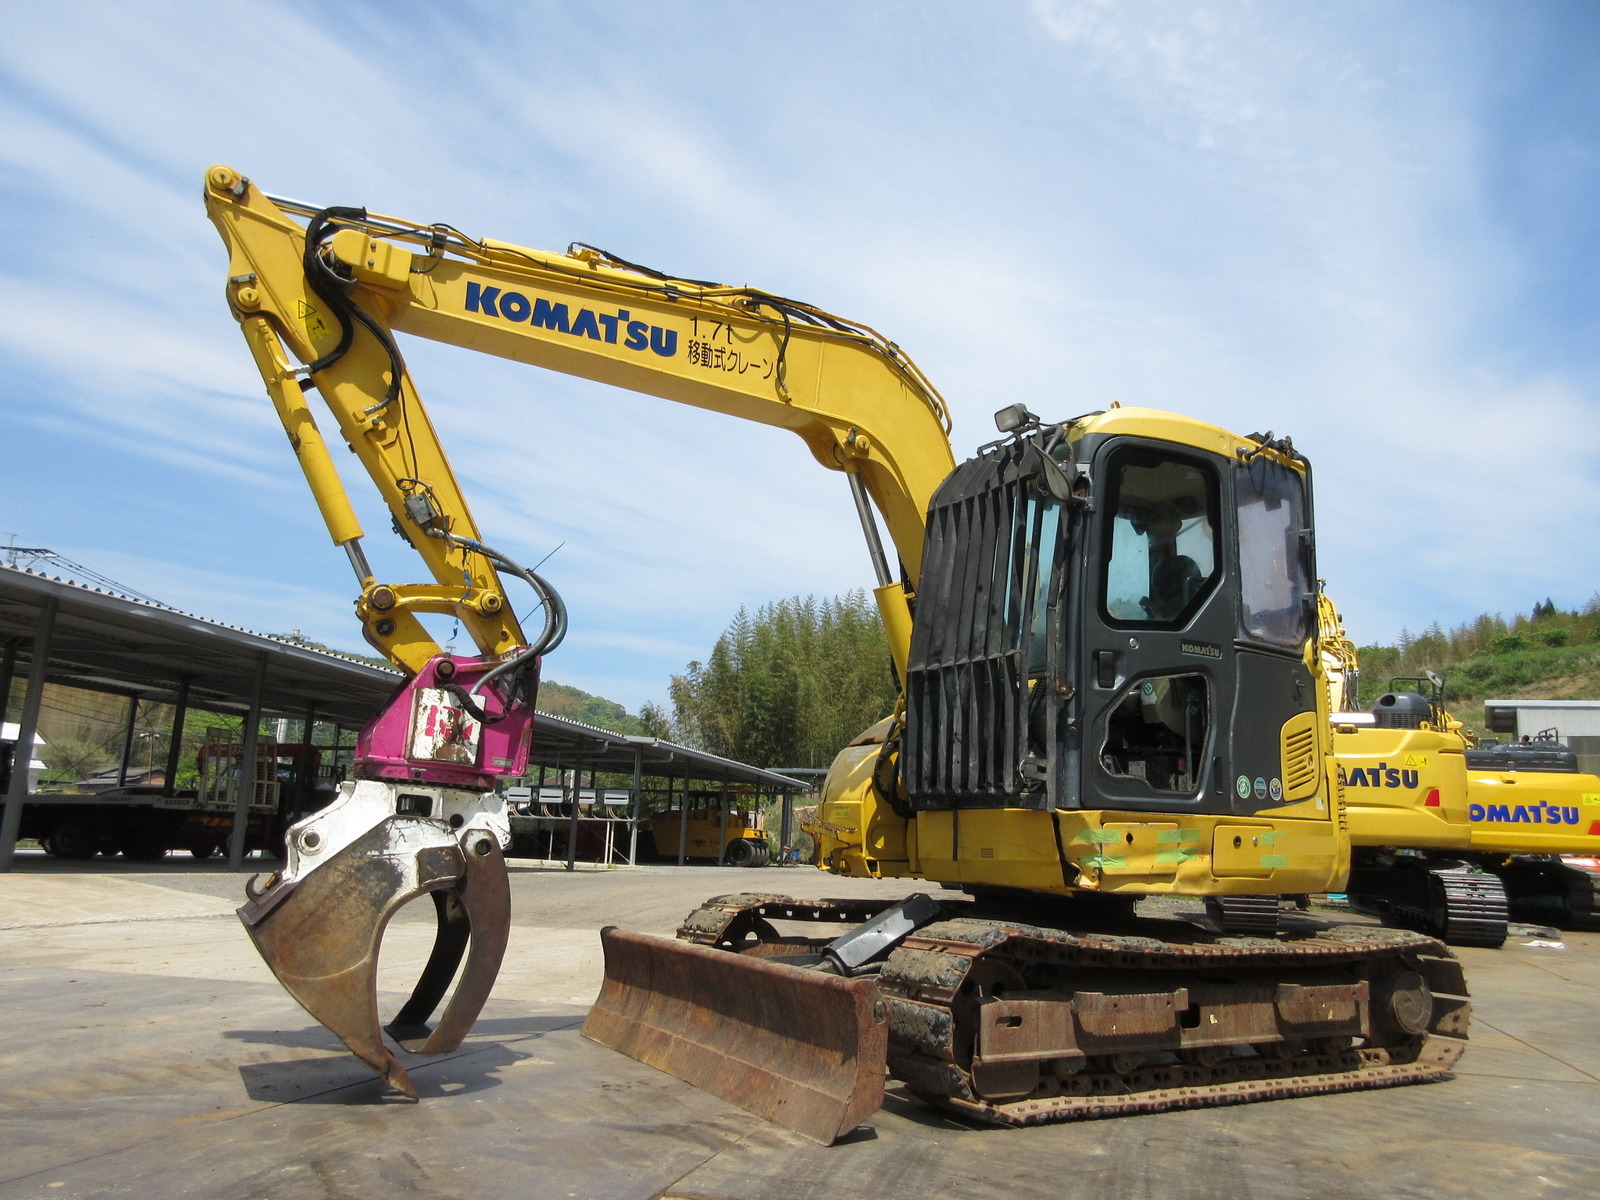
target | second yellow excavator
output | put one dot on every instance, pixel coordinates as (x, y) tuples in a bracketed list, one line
[(1106, 634), (1449, 838)]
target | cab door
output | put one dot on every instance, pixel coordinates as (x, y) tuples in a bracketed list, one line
[(1159, 605)]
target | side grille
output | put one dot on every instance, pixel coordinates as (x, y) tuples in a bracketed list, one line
[(1300, 774)]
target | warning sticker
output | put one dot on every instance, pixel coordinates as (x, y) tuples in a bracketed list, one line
[(316, 327)]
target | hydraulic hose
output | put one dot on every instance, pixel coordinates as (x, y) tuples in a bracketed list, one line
[(555, 617)]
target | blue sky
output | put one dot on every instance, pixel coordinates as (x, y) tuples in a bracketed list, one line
[(1372, 226)]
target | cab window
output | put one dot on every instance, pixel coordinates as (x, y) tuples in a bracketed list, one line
[(1161, 559), (1274, 581)]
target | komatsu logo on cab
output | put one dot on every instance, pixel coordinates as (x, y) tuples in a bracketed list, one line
[(608, 327)]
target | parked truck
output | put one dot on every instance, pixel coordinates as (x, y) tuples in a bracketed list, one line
[(144, 822), (731, 833)]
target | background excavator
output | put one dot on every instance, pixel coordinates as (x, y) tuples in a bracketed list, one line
[(1447, 838), (1105, 630)]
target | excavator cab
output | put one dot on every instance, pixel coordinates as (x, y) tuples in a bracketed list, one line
[(1195, 592), (1115, 621)]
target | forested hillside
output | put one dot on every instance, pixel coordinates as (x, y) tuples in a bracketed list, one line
[(1546, 655), (562, 701)]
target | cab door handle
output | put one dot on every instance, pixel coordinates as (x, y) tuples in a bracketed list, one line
[(1105, 668)]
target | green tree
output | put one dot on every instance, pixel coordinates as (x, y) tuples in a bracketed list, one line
[(790, 685), (655, 721)]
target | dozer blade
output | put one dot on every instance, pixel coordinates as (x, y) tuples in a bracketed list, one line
[(320, 935), (804, 1049)]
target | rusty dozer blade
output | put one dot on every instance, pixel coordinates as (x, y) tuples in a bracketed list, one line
[(805, 1049), (320, 934)]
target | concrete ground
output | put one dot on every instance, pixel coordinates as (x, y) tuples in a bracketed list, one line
[(145, 1050)]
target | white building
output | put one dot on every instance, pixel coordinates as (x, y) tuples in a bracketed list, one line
[(8, 733)]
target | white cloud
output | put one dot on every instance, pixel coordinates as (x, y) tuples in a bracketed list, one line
[(1265, 216)]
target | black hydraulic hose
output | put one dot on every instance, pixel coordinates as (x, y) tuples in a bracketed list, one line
[(331, 288), (318, 276), (555, 609)]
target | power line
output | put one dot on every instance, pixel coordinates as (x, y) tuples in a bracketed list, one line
[(26, 556)]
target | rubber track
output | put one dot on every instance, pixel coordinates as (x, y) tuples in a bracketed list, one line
[(1582, 890), (1475, 908), (922, 1017), (1575, 892)]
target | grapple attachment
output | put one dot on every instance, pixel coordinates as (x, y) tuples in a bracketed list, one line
[(319, 924), (804, 1049)]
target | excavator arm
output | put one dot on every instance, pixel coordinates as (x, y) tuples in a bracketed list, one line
[(862, 407), (320, 294)]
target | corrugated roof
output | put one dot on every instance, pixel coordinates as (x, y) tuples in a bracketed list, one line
[(113, 643)]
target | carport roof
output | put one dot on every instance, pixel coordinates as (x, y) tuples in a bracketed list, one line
[(558, 742), (112, 643)]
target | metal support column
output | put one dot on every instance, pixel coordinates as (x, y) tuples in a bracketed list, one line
[(549, 831), (27, 727), (722, 828), (786, 825), (329, 768), (305, 776), (247, 768), (180, 714), (683, 816), (8, 672), (572, 824), (633, 825), (127, 741)]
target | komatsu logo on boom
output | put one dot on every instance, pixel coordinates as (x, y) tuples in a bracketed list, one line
[(587, 323)]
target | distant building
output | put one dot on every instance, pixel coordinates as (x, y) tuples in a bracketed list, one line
[(1575, 722), (8, 733)]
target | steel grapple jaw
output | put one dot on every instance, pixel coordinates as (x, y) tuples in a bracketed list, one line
[(319, 923)]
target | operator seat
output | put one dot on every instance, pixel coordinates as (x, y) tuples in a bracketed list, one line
[(1173, 583)]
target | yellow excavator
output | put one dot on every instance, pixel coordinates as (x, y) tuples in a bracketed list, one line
[(1449, 838), (1105, 630)]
